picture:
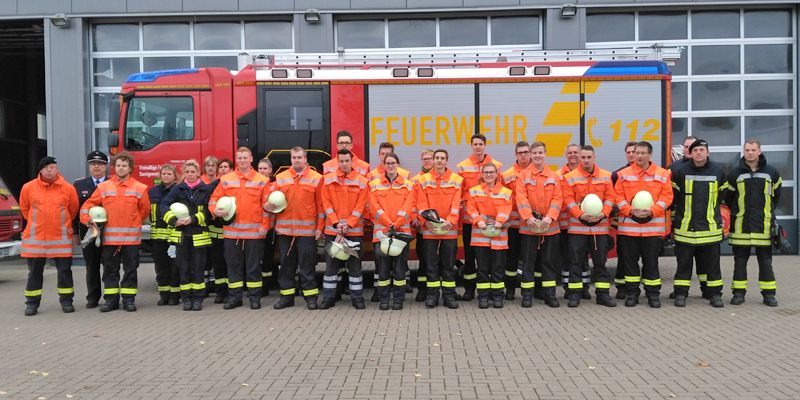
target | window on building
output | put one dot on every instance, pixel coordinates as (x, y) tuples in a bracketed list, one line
[(361, 34), (217, 35), (515, 30), (610, 27)]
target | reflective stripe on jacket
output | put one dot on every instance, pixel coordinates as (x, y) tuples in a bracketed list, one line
[(127, 206), (49, 209), (697, 190), (470, 170), (540, 191), (631, 180), (196, 200), (159, 230), (358, 165), (510, 177), (577, 185), (752, 197), (443, 194), (489, 206)]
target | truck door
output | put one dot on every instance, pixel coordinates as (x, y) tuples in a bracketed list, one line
[(160, 128), (289, 116)]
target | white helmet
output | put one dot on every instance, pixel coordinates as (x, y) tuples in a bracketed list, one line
[(491, 231), (392, 247), (227, 203), (643, 200), (337, 251), (437, 228), (179, 209), (278, 201), (592, 205), (98, 215)]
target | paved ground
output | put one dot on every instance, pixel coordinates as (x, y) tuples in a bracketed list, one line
[(743, 352)]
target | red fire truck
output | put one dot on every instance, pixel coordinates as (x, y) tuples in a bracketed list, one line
[(10, 223), (174, 115)]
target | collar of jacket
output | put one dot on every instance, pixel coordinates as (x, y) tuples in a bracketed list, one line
[(57, 182), (443, 177), (651, 169), (762, 161), (594, 174), (486, 159), (352, 174), (249, 176)]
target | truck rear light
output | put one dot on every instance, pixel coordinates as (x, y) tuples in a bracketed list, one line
[(516, 71), (400, 72), (304, 73), (541, 70), (425, 72), (280, 73)]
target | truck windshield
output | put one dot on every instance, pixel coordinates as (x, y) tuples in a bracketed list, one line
[(152, 120)]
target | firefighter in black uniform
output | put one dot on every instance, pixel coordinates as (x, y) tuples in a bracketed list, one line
[(754, 189), (167, 277), (619, 274), (697, 224), (98, 163)]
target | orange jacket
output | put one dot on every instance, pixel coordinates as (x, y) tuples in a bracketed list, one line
[(563, 217), (631, 180), (303, 214), (470, 170), (344, 198), (127, 206), (415, 193), (251, 191), (391, 204), (49, 209), (358, 164), (490, 206), (442, 193), (540, 191), (510, 177), (578, 184)]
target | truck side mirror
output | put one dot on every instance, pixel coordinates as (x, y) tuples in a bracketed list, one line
[(113, 113), (113, 140)]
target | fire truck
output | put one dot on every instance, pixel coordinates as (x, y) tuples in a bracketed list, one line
[(603, 98), (10, 223)]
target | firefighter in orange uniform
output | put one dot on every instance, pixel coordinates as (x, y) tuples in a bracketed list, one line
[(391, 203), (440, 190), (522, 151), (640, 230), (539, 204), (344, 141), (344, 198), (470, 170), (426, 158), (49, 204), (384, 149), (244, 236), (127, 205), (489, 206), (588, 233), (299, 227)]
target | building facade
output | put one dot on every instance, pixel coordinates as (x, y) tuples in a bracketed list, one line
[(736, 78)]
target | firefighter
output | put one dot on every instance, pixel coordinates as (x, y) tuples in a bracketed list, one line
[(391, 202), (268, 266), (522, 152), (189, 233), (216, 254), (426, 158), (344, 141), (299, 226), (244, 236), (702, 275), (384, 149), (619, 274), (440, 190), (697, 224), (572, 156), (167, 276), (470, 170), (210, 166), (588, 233), (127, 205), (48, 204), (754, 190), (98, 167), (539, 198), (640, 230), (489, 207), (344, 199)]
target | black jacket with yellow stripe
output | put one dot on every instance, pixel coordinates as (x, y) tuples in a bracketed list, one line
[(196, 200), (752, 197), (697, 191), (159, 230)]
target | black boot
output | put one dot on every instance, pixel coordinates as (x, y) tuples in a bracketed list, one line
[(221, 295), (716, 301), (285, 301), (327, 303), (358, 303), (311, 303), (498, 299), (109, 305), (620, 293), (383, 297), (432, 299), (469, 292), (232, 303), (574, 299), (129, 305), (483, 301), (680, 300), (585, 293), (511, 284), (738, 298), (631, 300), (31, 309), (770, 300), (197, 304), (67, 307), (605, 299), (255, 303), (163, 298), (174, 299), (422, 294), (449, 300), (527, 299), (550, 298), (653, 301), (187, 304)]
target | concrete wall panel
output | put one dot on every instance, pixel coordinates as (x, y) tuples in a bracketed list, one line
[(322, 4), (435, 3), (383, 4), (43, 7), (153, 6), (490, 3), (314, 38), (210, 5), (8, 7), (99, 6)]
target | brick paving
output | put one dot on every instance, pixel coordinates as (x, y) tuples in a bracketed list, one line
[(592, 352)]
